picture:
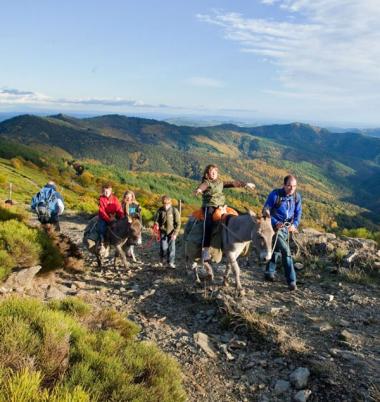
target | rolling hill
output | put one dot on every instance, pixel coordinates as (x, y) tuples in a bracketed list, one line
[(339, 173)]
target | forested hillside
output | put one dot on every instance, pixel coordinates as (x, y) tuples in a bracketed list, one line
[(338, 173)]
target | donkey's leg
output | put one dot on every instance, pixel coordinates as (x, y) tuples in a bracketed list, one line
[(194, 267), (121, 253), (115, 260), (210, 273), (235, 266), (132, 251), (99, 260), (226, 272)]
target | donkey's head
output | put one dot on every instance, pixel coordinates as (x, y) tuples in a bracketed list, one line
[(262, 235), (134, 233)]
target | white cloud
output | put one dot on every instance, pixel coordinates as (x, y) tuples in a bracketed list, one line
[(204, 82), (330, 48), (11, 96)]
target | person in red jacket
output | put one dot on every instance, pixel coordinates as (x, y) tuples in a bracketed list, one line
[(109, 209)]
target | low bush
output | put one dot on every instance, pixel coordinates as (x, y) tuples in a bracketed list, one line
[(64, 351), (17, 163), (6, 264), (7, 213), (22, 246)]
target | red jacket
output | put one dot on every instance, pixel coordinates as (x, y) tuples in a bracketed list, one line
[(109, 206)]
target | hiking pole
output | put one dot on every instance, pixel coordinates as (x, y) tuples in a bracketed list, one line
[(9, 200)]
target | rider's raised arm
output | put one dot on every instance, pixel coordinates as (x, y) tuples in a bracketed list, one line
[(235, 183), (202, 187)]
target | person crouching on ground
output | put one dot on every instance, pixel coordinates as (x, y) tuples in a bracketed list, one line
[(109, 209), (168, 221), (211, 189), (285, 206)]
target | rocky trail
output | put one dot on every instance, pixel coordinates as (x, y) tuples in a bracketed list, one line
[(319, 343)]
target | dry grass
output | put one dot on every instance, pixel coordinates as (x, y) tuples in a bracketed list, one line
[(261, 329), (374, 392), (261, 326)]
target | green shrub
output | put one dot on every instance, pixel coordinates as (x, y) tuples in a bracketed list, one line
[(86, 179), (147, 215), (7, 213), (20, 242), (23, 246), (50, 256), (6, 264), (47, 355), (17, 163), (71, 305), (87, 205)]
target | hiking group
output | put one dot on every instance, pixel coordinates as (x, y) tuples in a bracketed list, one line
[(283, 205)]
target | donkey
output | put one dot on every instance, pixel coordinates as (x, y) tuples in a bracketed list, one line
[(237, 233), (122, 232)]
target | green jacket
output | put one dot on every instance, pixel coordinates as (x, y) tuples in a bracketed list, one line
[(213, 195), (168, 220)]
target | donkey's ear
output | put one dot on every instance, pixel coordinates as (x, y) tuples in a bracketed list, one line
[(251, 212), (266, 213)]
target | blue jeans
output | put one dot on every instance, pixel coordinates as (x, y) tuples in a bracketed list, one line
[(167, 248), (282, 249), (102, 228)]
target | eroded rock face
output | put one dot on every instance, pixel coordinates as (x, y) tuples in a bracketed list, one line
[(345, 251), (23, 278)]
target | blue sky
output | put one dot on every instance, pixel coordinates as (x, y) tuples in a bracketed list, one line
[(304, 60)]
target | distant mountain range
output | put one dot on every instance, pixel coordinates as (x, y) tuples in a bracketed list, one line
[(336, 170)]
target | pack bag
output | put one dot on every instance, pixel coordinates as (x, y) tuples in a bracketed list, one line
[(45, 204), (279, 199)]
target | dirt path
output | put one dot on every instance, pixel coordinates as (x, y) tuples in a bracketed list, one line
[(337, 323)]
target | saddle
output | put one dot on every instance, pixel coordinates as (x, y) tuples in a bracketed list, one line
[(193, 236), (91, 234), (220, 213)]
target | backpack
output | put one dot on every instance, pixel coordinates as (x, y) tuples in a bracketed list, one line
[(45, 205), (277, 204)]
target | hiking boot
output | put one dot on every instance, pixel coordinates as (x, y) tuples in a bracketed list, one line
[(269, 276), (171, 265), (292, 286), (206, 255)]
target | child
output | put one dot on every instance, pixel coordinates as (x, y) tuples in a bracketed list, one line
[(132, 210), (109, 209), (168, 222), (130, 206), (211, 189)]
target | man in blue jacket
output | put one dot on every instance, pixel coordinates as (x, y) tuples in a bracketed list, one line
[(48, 205), (285, 206)]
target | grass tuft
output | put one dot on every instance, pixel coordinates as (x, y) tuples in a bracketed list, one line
[(64, 351)]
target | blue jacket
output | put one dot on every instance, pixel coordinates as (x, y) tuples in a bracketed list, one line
[(44, 193), (290, 209)]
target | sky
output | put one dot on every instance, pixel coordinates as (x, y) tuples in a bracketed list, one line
[(292, 60)]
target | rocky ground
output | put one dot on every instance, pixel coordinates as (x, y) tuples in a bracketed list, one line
[(319, 343)]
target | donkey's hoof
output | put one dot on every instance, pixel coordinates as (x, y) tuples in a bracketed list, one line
[(225, 283), (240, 292)]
